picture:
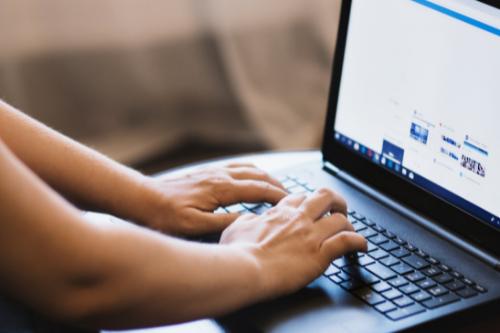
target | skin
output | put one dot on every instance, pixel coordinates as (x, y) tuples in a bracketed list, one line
[(114, 276)]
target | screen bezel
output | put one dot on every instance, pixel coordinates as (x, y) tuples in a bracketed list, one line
[(410, 194)]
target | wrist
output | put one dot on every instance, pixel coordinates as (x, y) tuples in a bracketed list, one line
[(255, 276), (135, 200)]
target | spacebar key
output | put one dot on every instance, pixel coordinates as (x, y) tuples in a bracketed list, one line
[(361, 274), (381, 271)]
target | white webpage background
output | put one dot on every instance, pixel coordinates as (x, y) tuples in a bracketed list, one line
[(403, 57)]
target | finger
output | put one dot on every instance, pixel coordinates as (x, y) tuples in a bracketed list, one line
[(293, 200), (245, 173), (331, 225), (207, 223), (240, 165), (252, 191), (323, 201), (342, 243)]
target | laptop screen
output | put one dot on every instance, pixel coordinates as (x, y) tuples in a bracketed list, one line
[(420, 96)]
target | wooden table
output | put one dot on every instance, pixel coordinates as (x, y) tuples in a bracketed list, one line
[(271, 162)]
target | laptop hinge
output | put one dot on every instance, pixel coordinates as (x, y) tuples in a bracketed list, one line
[(332, 168)]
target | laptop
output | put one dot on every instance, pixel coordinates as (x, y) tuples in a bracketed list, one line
[(410, 142)]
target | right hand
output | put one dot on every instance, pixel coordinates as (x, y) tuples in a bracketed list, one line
[(293, 242)]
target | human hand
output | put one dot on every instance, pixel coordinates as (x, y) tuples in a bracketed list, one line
[(293, 243), (184, 206)]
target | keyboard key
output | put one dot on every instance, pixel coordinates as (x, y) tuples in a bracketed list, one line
[(353, 255), (342, 262), (416, 262), (389, 234), (381, 287), (403, 301), (297, 190), (401, 252), (331, 270), (421, 296), (358, 216), (482, 290), (444, 268), (390, 261), (431, 271), (378, 228), (400, 241), (378, 254), (443, 278), (379, 239), (220, 210), (389, 246), (368, 222), (361, 274), (437, 291), (455, 285), (422, 254), (367, 233), (292, 176), (466, 293), (372, 247), (351, 219), (410, 247), (385, 307), (381, 271), (456, 275), (364, 261), (344, 276), (402, 269), (260, 210), (405, 312), (282, 179), (392, 294), (433, 261), (398, 282), (468, 282), (415, 277), (351, 285), (440, 301), (335, 279), (288, 184), (250, 206), (301, 181), (409, 289), (238, 208), (426, 284), (350, 211), (358, 226), (369, 296)]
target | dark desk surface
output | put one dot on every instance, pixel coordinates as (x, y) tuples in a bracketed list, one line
[(271, 162)]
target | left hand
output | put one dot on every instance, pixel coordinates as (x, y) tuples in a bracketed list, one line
[(184, 206)]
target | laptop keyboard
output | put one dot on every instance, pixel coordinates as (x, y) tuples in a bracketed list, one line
[(395, 277)]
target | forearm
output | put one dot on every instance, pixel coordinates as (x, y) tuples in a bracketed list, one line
[(171, 282), (109, 276), (85, 177)]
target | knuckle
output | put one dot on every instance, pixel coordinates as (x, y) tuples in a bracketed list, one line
[(345, 240), (342, 219), (274, 211)]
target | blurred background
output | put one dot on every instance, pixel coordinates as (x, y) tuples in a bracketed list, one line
[(159, 83)]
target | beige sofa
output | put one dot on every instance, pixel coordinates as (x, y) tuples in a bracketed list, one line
[(135, 78)]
